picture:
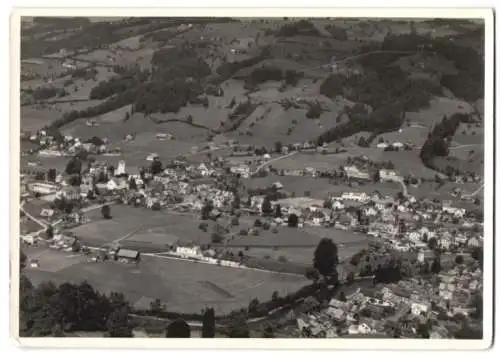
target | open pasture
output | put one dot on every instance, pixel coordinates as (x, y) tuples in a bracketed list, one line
[(182, 285), (141, 226), (34, 117), (468, 135), (285, 238), (43, 67), (52, 261), (408, 163), (298, 185), (115, 130), (439, 107), (320, 188), (298, 256), (311, 160)]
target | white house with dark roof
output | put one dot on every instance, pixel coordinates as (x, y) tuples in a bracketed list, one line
[(389, 175)]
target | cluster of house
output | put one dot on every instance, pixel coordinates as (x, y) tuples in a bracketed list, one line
[(391, 145), (400, 308), (67, 145), (407, 223)]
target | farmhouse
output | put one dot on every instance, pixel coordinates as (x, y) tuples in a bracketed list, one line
[(418, 308), (353, 172), (389, 175), (44, 188), (188, 252), (397, 145), (70, 192), (127, 256), (243, 170), (457, 212), (355, 196)]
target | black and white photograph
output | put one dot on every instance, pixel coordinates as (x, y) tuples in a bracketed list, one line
[(293, 177)]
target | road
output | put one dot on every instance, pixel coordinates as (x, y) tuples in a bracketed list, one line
[(273, 160), (45, 225)]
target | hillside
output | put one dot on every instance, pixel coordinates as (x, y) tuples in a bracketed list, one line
[(259, 82)]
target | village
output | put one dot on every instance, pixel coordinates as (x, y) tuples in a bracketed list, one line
[(423, 230)]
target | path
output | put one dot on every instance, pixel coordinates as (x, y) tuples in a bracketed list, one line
[(273, 160), (475, 192), (360, 56), (33, 218), (465, 146)]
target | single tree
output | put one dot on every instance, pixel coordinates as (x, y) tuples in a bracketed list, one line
[(178, 329), (22, 260), (350, 278), (132, 185), (106, 211), (278, 146), (436, 266), (342, 296), (206, 209), (253, 305), (432, 243), (267, 208), (118, 325), (236, 202), (326, 257), (49, 232), (293, 220), (208, 327), (156, 167), (51, 175), (277, 211)]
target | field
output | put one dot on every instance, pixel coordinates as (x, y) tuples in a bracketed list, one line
[(439, 107), (312, 160), (297, 245), (42, 67), (115, 129), (143, 228), (408, 163), (319, 188), (34, 117), (196, 285), (415, 135)]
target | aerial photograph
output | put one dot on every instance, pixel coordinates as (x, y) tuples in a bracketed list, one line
[(217, 177)]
